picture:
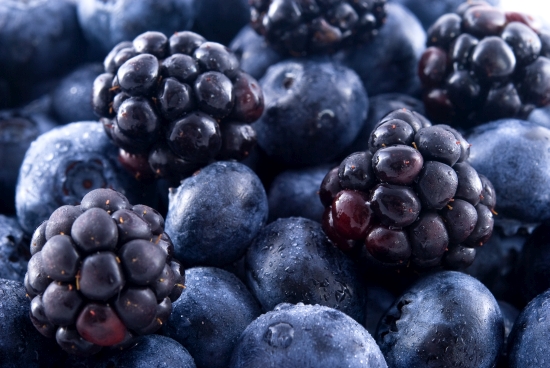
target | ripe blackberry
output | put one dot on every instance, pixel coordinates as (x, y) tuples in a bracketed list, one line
[(101, 273), (176, 103), (411, 199), (483, 63), (301, 27)]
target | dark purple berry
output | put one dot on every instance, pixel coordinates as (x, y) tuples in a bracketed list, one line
[(94, 230), (154, 43), (395, 205), (330, 186), (437, 185), (138, 75), (351, 214), (356, 171), (101, 276), (195, 138), (388, 245), (398, 165)]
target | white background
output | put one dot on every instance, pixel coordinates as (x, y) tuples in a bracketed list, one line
[(537, 8)]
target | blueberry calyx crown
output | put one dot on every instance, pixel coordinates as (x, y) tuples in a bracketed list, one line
[(101, 273), (411, 199)]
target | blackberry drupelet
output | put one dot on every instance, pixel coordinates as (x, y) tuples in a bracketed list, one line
[(483, 63), (174, 105), (410, 199), (101, 273), (302, 27)]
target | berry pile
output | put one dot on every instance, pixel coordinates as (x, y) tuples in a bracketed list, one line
[(483, 63), (175, 104), (411, 198), (101, 273), (316, 26)]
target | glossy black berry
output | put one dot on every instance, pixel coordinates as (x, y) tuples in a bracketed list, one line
[(411, 200), (308, 27), (109, 277), (162, 101), (484, 64)]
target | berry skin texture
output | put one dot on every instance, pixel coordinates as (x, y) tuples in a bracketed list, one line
[(533, 264), (529, 338), (292, 261), (310, 105), (514, 154), (446, 317), (293, 193), (63, 165), (21, 345), (105, 24), (210, 315), (306, 336), (215, 214)]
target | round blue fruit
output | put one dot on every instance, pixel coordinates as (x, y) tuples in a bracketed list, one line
[(306, 336), (210, 315), (214, 215), (515, 156)]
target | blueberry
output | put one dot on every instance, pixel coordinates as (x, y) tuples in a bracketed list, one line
[(528, 341), (513, 155), (379, 299), (153, 350), (446, 317), (107, 23), (18, 128), (388, 64), (40, 39), (214, 215), (66, 163), (22, 345), (294, 193), (428, 11), (212, 312), (254, 53), (13, 250), (310, 105), (292, 261), (71, 98), (306, 336)]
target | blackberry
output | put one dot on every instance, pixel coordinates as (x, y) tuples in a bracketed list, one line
[(101, 273), (302, 27), (411, 199), (483, 63), (174, 105)]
